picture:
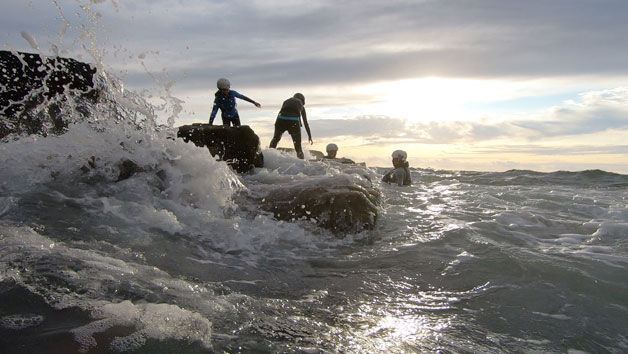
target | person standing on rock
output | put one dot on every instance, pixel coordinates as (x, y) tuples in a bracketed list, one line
[(400, 174), (289, 118), (225, 100)]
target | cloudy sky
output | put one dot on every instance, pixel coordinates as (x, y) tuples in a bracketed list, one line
[(458, 84)]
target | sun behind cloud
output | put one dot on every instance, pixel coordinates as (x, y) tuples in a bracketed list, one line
[(439, 99)]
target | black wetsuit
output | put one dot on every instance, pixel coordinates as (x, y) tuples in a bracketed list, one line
[(289, 118), (399, 175)]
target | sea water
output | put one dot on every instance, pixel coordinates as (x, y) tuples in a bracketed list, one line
[(179, 257)]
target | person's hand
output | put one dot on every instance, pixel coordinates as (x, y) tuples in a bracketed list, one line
[(311, 142), (257, 105)]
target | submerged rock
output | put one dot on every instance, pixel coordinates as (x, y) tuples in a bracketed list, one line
[(238, 146), (341, 208), (127, 169), (317, 155)]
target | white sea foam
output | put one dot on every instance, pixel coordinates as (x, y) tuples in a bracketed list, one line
[(157, 321), (557, 316), (172, 178), (154, 321)]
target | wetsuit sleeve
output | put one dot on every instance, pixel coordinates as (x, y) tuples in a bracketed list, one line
[(388, 176), (407, 180), (242, 97), (214, 111), (307, 126)]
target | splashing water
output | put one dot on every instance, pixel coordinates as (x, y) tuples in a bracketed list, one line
[(115, 236)]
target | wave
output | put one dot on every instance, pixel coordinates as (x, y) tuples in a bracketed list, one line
[(586, 178)]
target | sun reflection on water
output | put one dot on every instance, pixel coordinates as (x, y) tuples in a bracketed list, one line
[(405, 320), (382, 330), (405, 315)]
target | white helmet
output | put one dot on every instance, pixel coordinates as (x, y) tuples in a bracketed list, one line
[(332, 147), (399, 154), (223, 84)]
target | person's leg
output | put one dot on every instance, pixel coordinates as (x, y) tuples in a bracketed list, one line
[(279, 129), (225, 121), (236, 121), (295, 133)]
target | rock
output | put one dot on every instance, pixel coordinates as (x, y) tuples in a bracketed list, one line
[(315, 153), (341, 208), (33, 89), (319, 156), (343, 160), (238, 146), (127, 169)]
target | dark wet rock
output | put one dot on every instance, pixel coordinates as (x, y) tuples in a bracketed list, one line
[(238, 146), (127, 169), (341, 208), (34, 89)]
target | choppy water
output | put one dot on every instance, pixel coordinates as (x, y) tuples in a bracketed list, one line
[(178, 257)]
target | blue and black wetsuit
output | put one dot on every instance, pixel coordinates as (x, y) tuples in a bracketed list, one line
[(227, 105), (289, 118)]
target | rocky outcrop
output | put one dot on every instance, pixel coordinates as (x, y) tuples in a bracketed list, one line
[(34, 88), (317, 155), (238, 146), (341, 208)]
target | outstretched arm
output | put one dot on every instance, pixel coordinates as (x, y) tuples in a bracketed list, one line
[(242, 97), (307, 126)]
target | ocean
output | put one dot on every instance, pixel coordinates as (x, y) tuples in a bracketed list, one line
[(179, 258), (118, 237)]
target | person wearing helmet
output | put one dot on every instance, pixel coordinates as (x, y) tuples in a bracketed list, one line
[(332, 151), (400, 174), (289, 118), (225, 101)]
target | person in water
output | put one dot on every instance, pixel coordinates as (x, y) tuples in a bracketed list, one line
[(289, 118), (400, 174), (332, 151), (225, 101)]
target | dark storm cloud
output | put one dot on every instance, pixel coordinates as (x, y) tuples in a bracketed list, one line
[(278, 43), (357, 42)]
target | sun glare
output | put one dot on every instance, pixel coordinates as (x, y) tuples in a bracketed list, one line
[(438, 99)]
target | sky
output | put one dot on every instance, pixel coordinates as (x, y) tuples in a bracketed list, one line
[(485, 85)]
